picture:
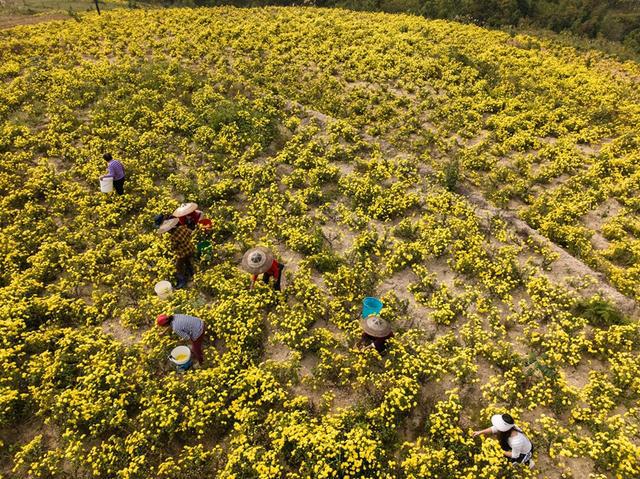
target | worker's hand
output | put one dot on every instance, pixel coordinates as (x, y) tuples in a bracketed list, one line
[(476, 433)]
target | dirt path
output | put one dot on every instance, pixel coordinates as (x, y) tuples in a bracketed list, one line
[(114, 328), (10, 21), (566, 264)]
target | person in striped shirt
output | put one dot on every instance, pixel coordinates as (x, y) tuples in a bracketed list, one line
[(115, 170), (188, 328)]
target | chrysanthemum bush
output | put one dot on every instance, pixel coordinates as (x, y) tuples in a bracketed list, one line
[(328, 147)]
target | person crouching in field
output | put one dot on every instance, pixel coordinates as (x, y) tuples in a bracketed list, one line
[(115, 170), (187, 327), (261, 261), (182, 247), (516, 446), (188, 214), (375, 333)]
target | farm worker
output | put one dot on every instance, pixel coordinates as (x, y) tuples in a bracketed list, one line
[(206, 225), (158, 219), (376, 332), (182, 247), (516, 446), (115, 170), (188, 214), (187, 327), (260, 260)]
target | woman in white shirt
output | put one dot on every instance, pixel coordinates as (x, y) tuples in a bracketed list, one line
[(516, 446)]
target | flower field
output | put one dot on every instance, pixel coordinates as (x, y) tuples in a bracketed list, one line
[(353, 145)]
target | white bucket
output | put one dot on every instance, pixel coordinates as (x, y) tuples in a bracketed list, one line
[(181, 357), (163, 289), (106, 184)]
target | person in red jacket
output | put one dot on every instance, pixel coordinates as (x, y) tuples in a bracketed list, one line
[(188, 214), (261, 261)]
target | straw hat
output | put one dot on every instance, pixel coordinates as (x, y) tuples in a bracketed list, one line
[(257, 260), (375, 326), (184, 209), (168, 225), (498, 420)]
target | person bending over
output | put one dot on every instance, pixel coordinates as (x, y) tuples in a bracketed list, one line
[(516, 446), (187, 327), (115, 170)]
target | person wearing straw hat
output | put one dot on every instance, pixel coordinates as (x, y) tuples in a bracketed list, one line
[(115, 170), (160, 218), (376, 332), (260, 260), (188, 328), (516, 446), (188, 214), (182, 247)]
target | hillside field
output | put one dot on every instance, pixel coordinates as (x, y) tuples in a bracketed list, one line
[(486, 186)]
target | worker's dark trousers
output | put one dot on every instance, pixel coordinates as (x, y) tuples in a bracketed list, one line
[(196, 347), (184, 270), (266, 276), (119, 186)]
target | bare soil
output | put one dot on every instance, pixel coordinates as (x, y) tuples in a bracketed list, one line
[(114, 328), (566, 264), (10, 21)]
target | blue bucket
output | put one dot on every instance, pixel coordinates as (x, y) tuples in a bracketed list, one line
[(371, 306), (185, 366)]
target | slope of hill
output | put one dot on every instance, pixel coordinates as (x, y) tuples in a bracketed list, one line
[(616, 21), (361, 148)]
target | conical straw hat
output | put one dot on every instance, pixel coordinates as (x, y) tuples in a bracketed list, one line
[(168, 225), (184, 209), (375, 326), (257, 260)]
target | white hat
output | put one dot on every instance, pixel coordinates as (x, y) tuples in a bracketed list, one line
[(500, 424), (257, 260), (168, 225), (184, 209), (375, 326)]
